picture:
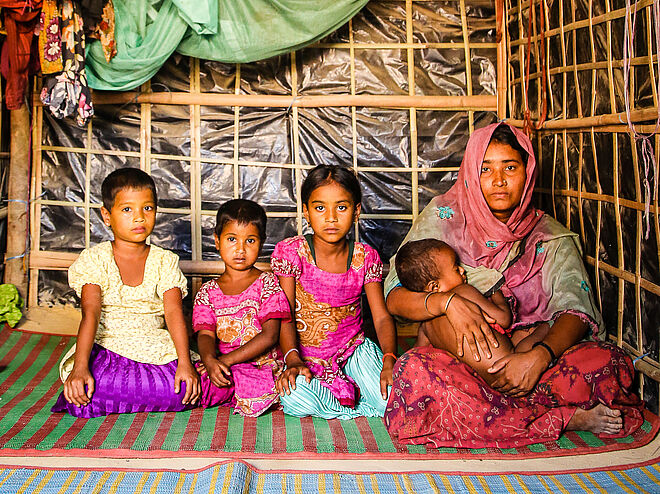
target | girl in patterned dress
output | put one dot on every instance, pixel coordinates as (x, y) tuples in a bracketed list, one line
[(239, 314), (125, 360), (333, 371)]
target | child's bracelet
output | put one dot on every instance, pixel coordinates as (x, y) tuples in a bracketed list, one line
[(449, 300), (426, 301), (287, 354), (388, 354)]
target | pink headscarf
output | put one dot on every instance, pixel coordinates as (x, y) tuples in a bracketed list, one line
[(481, 239)]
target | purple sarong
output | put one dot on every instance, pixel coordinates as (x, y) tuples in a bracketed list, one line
[(123, 385)]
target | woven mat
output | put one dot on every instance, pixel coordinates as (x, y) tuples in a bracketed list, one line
[(29, 385), (235, 476)]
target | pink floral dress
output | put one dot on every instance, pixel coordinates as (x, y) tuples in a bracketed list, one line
[(236, 319), (328, 315)]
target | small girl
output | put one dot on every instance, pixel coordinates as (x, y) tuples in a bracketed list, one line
[(124, 359), (239, 314), (333, 371)]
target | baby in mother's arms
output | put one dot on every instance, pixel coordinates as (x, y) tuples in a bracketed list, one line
[(432, 266)]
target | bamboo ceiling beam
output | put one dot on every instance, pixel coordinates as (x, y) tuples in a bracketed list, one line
[(454, 103), (645, 115)]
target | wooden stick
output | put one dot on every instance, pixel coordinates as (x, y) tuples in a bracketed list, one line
[(458, 103), (17, 209), (585, 123)]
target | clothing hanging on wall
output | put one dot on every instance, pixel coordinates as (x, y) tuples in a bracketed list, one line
[(21, 18), (50, 39), (66, 93), (99, 21)]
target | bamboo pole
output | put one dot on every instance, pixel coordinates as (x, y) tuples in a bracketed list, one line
[(17, 209), (645, 115), (458, 103)]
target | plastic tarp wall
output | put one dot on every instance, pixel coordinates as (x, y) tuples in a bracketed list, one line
[(71, 171), (592, 180)]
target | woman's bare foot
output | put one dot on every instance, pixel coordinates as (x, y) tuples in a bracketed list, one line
[(599, 420)]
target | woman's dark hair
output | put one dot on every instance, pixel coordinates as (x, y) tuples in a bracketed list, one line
[(244, 212), (416, 265), (325, 174), (125, 178), (504, 135)]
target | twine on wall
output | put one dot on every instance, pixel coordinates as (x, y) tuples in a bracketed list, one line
[(648, 156)]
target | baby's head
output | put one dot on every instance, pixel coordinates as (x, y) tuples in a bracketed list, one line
[(129, 204), (240, 231), (331, 198), (428, 265)]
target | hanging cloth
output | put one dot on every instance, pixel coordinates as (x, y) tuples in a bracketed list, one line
[(149, 31), (50, 40), (99, 21), (21, 17), (66, 94), (146, 33), (257, 29)]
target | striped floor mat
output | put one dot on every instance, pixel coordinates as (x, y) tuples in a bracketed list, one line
[(29, 385), (235, 477)]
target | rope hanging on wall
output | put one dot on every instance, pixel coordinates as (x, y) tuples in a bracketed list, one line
[(648, 156), (529, 125)]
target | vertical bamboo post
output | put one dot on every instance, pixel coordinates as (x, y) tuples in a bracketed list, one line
[(18, 192)]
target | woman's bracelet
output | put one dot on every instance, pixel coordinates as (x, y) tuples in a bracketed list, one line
[(551, 352), (448, 301), (426, 301), (287, 354), (388, 354)]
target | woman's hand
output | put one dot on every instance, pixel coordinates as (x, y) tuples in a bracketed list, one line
[(386, 377), (74, 387), (218, 370), (185, 372), (518, 373), (472, 324), (287, 380)]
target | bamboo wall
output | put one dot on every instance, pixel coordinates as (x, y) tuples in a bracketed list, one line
[(592, 169), (389, 94)]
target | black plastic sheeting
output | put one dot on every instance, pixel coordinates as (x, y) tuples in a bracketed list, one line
[(265, 134)]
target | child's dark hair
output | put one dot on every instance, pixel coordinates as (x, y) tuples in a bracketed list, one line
[(325, 174), (125, 178), (416, 266), (504, 135), (244, 212)]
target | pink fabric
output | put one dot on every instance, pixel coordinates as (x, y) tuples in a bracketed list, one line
[(479, 226), (328, 315), (236, 319)]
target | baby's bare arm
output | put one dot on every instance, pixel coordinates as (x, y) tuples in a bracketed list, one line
[(497, 308)]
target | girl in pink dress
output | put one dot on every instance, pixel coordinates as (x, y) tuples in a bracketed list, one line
[(239, 314), (333, 371)]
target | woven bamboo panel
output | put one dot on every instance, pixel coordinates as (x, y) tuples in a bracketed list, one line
[(594, 177), (422, 46)]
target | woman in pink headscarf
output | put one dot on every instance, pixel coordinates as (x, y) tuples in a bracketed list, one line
[(504, 243)]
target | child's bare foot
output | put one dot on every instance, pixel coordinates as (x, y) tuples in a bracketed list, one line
[(599, 420)]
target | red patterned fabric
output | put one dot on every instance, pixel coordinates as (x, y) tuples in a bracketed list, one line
[(21, 17), (440, 401)]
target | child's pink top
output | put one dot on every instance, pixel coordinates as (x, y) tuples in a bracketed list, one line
[(328, 316), (236, 319)]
